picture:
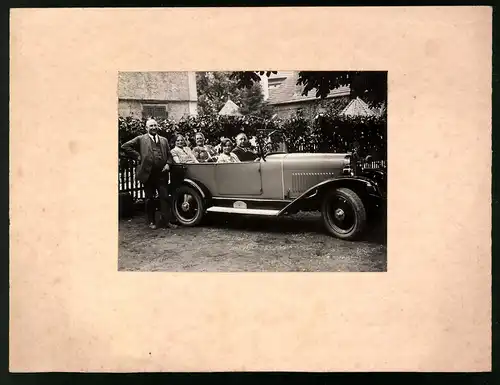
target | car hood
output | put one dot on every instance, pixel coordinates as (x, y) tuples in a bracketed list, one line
[(309, 162)]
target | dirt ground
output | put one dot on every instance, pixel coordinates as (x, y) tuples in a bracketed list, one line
[(228, 243)]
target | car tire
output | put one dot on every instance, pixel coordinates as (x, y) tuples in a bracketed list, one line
[(344, 214), (188, 206)]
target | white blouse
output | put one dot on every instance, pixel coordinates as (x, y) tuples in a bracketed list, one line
[(223, 158), (183, 155)]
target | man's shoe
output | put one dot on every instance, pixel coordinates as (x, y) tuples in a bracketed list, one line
[(171, 226), (152, 226)]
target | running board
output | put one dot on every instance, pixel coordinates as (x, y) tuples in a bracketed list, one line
[(232, 210)]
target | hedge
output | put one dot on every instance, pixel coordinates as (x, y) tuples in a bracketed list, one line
[(324, 133)]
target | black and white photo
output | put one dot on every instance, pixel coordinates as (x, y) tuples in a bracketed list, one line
[(252, 171)]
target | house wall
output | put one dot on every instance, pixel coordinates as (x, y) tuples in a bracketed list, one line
[(157, 85), (175, 110), (285, 111), (131, 108), (174, 90), (309, 108)]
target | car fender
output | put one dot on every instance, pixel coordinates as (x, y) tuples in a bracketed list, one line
[(377, 175), (362, 185), (197, 186)]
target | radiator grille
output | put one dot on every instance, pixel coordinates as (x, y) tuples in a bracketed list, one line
[(301, 181)]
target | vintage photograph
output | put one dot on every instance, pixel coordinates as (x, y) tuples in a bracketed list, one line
[(252, 171)]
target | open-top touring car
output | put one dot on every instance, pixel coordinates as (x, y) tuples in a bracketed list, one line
[(281, 183)]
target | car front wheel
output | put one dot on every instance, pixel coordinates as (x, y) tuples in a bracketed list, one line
[(188, 206), (344, 213)]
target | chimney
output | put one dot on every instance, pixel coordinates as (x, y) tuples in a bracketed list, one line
[(265, 86)]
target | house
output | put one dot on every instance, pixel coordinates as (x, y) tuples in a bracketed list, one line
[(157, 94), (276, 79), (286, 99), (269, 84)]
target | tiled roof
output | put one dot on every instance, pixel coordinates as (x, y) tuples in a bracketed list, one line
[(357, 107), (280, 74), (230, 108), (290, 92), (279, 77)]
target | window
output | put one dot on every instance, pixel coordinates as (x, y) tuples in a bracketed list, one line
[(154, 111)]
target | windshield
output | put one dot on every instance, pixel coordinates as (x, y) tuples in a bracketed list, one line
[(273, 142)]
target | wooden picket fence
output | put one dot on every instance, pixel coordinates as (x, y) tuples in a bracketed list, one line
[(127, 182)]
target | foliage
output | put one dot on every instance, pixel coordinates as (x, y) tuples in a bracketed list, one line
[(371, 86), (252, 102), (245, 79), (326, 133), (343, 133), (215, 88)]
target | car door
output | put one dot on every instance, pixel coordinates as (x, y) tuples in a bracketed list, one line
[(234, 179)]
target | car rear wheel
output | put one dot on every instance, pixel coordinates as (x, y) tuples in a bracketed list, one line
[(188, 206), (344, 213)]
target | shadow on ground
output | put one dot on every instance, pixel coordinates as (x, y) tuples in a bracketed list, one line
[(302, 222)]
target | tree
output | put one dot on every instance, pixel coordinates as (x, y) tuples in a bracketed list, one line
[(371, 86), (215, 88), (252, 102), (245, 79)]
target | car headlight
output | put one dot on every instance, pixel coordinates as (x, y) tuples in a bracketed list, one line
[(347, 171), (346, 167)]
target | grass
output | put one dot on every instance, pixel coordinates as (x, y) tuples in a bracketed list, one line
[(234, 243)]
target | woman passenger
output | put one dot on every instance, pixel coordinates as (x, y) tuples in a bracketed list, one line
[(227, 156), (203, 152), (181, 153)]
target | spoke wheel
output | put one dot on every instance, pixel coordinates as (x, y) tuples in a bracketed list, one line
[(188, 206), (344, 214)]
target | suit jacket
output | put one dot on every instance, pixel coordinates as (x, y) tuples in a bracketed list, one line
[(243, 154), (141, 148)]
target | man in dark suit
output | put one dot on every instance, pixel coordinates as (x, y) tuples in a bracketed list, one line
[(242, 149), (153, 154)]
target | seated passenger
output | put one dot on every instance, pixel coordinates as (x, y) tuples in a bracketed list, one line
[(203, 152), (181, 153), (218, 147), (227, 156), (242, 149)]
